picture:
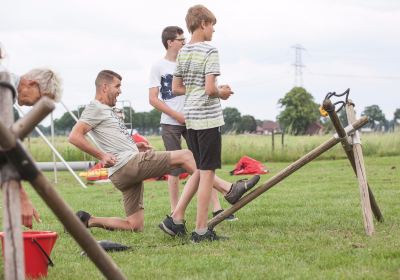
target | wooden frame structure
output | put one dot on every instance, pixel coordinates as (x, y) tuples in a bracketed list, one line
[(350, 140), (16, 165)]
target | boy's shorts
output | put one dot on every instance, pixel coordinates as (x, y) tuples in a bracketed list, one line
[(172, 138), (205, 145), (129, 178)]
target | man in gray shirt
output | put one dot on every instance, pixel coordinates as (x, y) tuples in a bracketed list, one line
[(130, 163)]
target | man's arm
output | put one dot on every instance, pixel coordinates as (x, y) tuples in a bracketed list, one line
[(162, 107), (27, 209), (178, 88), (78, 139)]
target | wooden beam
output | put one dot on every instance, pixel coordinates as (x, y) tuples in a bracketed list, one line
[(22, 127), (284, 173), (361, 174), (328, 106), (10, 184), (24, 164)]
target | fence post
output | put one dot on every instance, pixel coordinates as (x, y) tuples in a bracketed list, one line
[(361, 174), (10, 183), (273, 141)]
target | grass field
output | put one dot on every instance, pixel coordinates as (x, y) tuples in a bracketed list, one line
[(235, 146), (307, 227)]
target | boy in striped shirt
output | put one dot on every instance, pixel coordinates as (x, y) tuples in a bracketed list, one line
[(196, 76)]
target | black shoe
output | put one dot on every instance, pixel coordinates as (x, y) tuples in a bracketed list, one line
[(84, 217), (240, 187), (230, 218), (169, 227), (210, 235)]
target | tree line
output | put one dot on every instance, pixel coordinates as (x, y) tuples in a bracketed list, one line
[(299, 111)]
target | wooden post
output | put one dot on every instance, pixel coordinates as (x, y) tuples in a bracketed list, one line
[(10, 184), (273, 141), (285, 173), (328, 106), (22, 162), (361, 174), (23, 126)]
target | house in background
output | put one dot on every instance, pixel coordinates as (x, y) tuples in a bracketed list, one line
[(315, 128), (268, 127)]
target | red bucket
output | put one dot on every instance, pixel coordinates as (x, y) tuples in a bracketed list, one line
[(37, 248)]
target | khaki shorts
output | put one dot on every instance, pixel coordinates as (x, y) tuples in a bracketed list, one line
[(129, 178)]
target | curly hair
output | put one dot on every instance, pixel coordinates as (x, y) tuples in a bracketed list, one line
[(49, 82)]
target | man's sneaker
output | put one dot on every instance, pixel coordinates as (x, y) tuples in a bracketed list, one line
[(84, 217), (210, 235), (230, 218), (169, 227), (240, 187)]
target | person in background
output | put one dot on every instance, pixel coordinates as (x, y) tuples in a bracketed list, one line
[(171, 107), (30, 87)]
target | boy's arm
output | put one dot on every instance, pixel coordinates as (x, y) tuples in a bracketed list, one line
[(223, 92), (78, 139), (162, 107), (178, 88)]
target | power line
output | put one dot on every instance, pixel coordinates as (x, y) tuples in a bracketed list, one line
[(355, 76), (298, 65)]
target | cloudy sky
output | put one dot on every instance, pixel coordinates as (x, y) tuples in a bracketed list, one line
[(348, 44)]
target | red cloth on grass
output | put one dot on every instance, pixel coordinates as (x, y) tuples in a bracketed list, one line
[(248, 165)]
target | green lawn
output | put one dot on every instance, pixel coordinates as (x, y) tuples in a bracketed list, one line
[(307, 227)]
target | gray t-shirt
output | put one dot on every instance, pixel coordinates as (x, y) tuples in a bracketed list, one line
[(110, 133)]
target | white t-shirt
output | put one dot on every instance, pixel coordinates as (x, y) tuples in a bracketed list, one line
[(161, 75)]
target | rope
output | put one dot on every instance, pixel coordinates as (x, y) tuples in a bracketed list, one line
[(329, 95)]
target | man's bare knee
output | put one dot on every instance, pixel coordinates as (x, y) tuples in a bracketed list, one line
[(136, 226), (136, 221), (180, 157), (187, 155)]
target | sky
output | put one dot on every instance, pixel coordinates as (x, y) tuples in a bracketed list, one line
[(347, 44)]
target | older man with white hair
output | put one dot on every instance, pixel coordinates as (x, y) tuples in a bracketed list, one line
[(30, 88)]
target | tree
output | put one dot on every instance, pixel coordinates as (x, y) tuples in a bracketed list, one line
[(375, 115), (299, 111), (154, 120), (147, 122), (64, 124), (343, 117), (247, 124), (397, 115), (232, 118), (128, 114)]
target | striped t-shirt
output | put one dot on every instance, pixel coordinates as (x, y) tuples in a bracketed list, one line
[(194, 63)]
